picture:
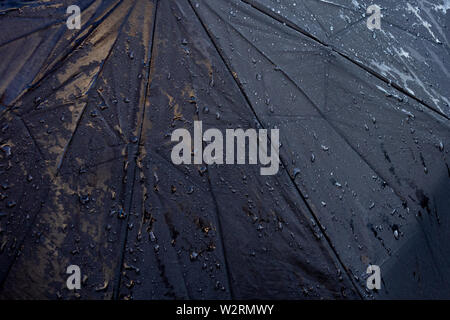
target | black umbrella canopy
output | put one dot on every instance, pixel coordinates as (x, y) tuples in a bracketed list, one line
[(87, 177)]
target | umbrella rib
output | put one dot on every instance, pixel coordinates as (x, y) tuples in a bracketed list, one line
[(310, 209)]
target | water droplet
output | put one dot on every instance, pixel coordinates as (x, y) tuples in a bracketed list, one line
[(202, 170), (396, 231), (37, 100), (84, 199), (7, 150), (193, 255), (11, 204), (396, 234), (121, 213)]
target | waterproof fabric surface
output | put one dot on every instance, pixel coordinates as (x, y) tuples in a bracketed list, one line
[(85, 162)]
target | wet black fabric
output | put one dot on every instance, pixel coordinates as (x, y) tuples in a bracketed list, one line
[(87, 177)]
